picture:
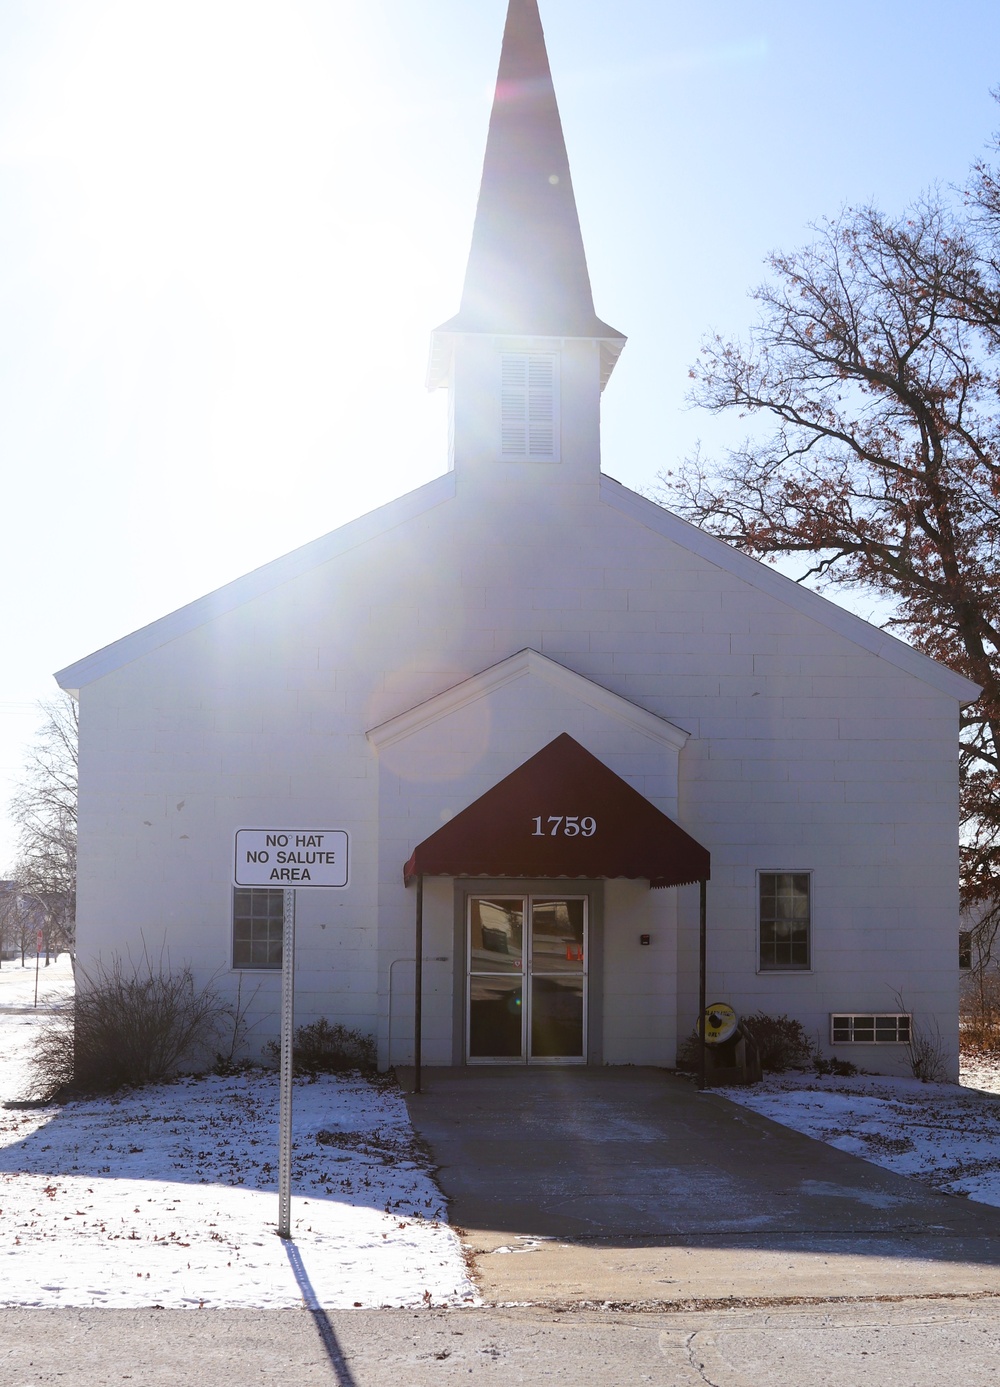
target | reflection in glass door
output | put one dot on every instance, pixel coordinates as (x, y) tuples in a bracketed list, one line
[(496, 978), (527, 978)]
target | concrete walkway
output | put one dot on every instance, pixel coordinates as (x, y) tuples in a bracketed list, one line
[(627, 1187)]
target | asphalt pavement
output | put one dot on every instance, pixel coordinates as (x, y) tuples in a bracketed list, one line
[(896, 1344)]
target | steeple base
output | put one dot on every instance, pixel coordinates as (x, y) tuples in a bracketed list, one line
[(525, 407)]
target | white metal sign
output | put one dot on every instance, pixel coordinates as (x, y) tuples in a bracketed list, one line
[(286, 859), (290, 857)]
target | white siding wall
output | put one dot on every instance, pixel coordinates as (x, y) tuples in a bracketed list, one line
[(640, 981), (807, 753)]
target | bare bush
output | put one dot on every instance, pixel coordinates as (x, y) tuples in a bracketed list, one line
[(925, 1052), (781, 1042), (324, 1047), (840, 1069), (236, 1026), (688, 1052), (924, 1049), (979, 1016), (128, 1025)]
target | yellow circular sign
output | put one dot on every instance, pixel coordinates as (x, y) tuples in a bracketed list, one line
[(720, 1023)]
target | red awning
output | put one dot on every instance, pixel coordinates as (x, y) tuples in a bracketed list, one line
[(562, 814)]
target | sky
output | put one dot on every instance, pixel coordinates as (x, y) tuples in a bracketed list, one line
[(227, 228)]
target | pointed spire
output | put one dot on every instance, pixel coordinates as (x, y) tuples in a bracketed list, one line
[(527, 273)]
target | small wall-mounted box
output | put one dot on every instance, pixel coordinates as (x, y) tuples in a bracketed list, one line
[(643, 938)]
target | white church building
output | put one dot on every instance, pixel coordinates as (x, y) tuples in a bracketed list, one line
[(539, 710)]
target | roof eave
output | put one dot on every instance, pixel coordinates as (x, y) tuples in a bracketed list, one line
[(254, 584), (444, 339), (811, 604)]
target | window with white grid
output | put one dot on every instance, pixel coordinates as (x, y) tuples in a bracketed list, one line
[(529, 407), (892, 1028), (258, 925), (784, 920)]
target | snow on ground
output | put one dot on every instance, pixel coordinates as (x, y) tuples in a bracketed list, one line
[(19, 1016), (981, 1073), (946, 1135), (168, 1195)]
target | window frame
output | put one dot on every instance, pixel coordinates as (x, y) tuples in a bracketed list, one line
[(272, 919), (772, 968), (965, 950), (851, 1018)]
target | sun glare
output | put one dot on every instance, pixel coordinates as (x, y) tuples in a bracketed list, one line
[(215, 233), (193, 130)]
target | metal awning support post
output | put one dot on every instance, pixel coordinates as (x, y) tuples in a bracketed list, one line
[(702, 989), (418, 984)]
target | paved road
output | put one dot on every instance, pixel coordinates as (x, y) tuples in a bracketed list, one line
[(908, 1344)]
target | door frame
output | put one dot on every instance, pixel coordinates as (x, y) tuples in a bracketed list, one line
[(593, 892)]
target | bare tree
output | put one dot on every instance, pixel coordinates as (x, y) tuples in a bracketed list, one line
[(876, 358), (44, 809), (22, 918), (8, 917)]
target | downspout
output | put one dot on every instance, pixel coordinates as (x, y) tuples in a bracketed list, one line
[(418, 984), (702, 999)]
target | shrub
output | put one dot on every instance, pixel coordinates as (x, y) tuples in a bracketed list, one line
[(781, 1042), (843, 1069), (687, 1054), (128, 1025), (925, 1052), (324, 1047), (226, 1067), (925, 1047), (228, 1061), (979, 1016)]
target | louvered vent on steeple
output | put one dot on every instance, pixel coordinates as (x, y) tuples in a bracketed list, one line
[(529, 407)]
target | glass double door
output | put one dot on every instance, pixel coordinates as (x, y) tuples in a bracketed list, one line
[(527, 979)]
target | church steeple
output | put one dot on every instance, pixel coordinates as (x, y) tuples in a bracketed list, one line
[(527, 273)]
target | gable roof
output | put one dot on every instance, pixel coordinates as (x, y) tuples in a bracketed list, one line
[(639, 508), (802, 599), (254, 584)]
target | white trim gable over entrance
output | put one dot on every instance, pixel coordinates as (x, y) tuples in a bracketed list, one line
[(438, 757), (526, 664)]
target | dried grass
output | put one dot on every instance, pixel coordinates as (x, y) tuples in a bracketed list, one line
[(979, 1016)]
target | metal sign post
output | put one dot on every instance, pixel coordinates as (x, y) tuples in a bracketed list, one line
[(274, 858), (285, 1086)]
